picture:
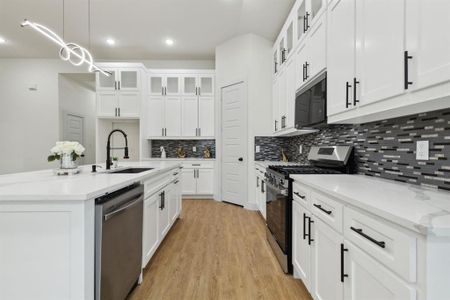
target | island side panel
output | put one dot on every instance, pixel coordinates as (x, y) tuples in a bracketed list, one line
[(47, 250)]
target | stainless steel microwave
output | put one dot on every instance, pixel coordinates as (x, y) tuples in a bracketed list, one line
[(311, 104)]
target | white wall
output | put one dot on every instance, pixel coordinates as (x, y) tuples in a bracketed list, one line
[(246, 58), (77, 96), (29, 120)]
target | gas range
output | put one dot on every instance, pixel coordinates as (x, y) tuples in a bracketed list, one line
[(322, 160)]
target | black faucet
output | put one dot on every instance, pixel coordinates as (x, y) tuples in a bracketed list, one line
[(108, 148)]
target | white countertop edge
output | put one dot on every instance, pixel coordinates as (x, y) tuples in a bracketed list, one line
[(424, 229), (178, 159), (138, 177)]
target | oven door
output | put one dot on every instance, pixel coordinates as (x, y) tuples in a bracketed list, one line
[(277, 202)]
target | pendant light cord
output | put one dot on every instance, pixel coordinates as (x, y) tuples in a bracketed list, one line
[(63, 19), (89, 24)]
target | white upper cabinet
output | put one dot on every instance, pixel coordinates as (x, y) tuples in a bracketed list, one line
[(155, 116), (156, 85), (187, 104), (300, 14), (291, 88), (119, 95), (315, 9), (206, 85), (428, 42), (380, 50), (190, 85), (206, 116), (173, 86), (341, 59), (107, 83)]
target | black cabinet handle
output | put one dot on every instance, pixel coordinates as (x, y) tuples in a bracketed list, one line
[(119, 85), (310, 221), (263, 187), (283, 55), (276, 122), (298, 194), (161, 207), (257, 182), (304, 226), (307, 21), (343, 250), (328, 212), (355, 82), (276, 67), (406, 58), (347, 86), (306, 70), (303, 73), (115, 85), (361, 233)]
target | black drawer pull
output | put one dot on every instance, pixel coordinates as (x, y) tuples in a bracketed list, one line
[(360, 232), (407, 57), (310, 221), (328, 212), (298, 194), (343, 275), (304, 226), (347, 86)]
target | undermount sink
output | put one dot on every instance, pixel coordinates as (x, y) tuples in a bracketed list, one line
[(131, 170)]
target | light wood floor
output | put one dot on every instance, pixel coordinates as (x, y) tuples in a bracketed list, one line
[(217, 251)]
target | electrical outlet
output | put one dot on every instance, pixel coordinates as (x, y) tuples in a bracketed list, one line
[(258, 149), (300, 149), (194, 149), (422, 150)]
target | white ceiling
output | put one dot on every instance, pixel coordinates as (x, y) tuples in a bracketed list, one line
[(139, 27)]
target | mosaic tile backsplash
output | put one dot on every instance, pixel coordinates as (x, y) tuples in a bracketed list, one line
[(384, 149), (171, 147)]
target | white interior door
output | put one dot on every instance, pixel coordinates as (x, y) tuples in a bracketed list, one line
[(74, 130), (234, 137)]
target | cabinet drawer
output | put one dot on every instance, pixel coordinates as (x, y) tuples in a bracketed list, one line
[(392, 246), (300, 193), (198, 165), (328, 210)]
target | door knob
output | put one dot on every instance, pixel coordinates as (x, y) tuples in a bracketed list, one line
[(241, 159)]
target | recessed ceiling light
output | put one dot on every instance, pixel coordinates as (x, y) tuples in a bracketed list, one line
[(111, 42), (169, 42), (2, 40)]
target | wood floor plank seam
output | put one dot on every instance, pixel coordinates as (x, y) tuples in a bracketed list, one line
[(216, 251)]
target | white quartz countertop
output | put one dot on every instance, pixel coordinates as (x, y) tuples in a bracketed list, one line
[(178, 159), (44, 185), (422, 210)]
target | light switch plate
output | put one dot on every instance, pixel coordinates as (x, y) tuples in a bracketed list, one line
[(194, 149), (423, 150), (258, 149)]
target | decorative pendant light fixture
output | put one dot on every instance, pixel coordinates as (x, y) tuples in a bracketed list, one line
[(71, 52)]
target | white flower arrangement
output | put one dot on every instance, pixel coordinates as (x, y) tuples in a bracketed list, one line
[(74, 149)]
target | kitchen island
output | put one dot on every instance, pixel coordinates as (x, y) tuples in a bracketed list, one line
[(47, 226)]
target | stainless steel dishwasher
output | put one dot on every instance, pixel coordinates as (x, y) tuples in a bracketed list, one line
[(118, 242)]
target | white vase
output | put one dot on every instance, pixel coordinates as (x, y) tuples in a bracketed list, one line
[(67, 162)]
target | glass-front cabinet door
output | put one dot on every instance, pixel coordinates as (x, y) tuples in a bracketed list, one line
[(275, 61), (290, 38), (129, 80), (156, 85), (190, 85), (206, 85), (315, 10), (107, 83), (301, 21), (172, 85)]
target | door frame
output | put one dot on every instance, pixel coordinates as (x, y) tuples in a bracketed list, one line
[(219, 143), (65, 114)]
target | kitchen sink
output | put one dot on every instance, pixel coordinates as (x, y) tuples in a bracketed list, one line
[(131, 170)]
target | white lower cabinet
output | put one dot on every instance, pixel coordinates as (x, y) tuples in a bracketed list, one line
[(198, 179), (260, 191), (368, 279), (162, 207), (301, 250), (326, 262), (371, 259), (150, 230)]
